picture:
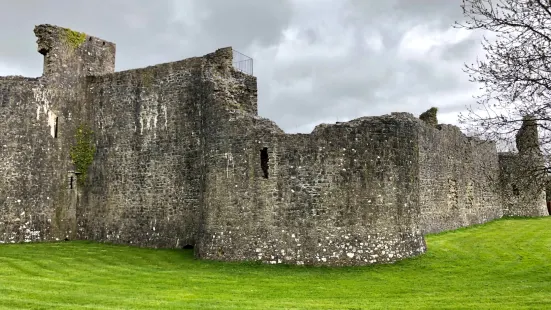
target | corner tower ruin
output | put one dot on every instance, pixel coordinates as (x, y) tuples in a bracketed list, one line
[(522, 178), (72, 53)]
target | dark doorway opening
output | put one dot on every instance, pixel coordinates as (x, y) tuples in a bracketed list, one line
[(188, 247), (264, 161)]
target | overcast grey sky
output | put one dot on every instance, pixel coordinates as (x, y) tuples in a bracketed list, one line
[(316, 60)]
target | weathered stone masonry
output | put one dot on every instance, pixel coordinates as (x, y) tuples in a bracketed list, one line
[(458, 176), (178, 156)]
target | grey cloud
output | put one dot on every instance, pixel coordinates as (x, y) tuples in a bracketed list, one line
[(87, 16), (453, 108), (242, 22), (338, 87), (371, 84), (407, 12), (366, 82), (143, 30), (362, 81), (311, 36), (461, 51)]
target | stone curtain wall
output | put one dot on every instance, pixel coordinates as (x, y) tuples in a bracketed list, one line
[(457, 178), (146, 181), (344, 195)]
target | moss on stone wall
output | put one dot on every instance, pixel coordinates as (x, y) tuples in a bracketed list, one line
[(147, 78), (82, 152), (74, 38), (429, 116)]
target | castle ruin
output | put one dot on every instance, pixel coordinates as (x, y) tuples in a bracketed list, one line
[(175, 155)]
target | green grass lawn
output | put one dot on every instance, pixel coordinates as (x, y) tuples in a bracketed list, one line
[(504, 264)]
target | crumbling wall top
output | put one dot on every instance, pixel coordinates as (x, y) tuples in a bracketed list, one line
[(222, 56), (71, 53)]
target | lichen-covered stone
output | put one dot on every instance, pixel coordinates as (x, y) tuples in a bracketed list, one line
[(177, 156)]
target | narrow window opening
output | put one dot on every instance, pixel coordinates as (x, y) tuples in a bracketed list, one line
[(264, 161), (55, 127), (71, 182)]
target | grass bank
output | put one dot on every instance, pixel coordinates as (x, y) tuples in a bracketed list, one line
[(504, 264)]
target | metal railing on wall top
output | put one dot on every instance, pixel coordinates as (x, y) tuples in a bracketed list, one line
[(242, 62)]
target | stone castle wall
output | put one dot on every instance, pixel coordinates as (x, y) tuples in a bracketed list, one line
[(180, 157), (39, 117), (34, 205), (458, 179), (344, 195), (146, 185)]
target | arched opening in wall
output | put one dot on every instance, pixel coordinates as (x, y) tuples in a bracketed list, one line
[(188, 247), (264, 161)]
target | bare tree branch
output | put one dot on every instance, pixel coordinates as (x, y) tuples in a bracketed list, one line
[(515, 75)]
